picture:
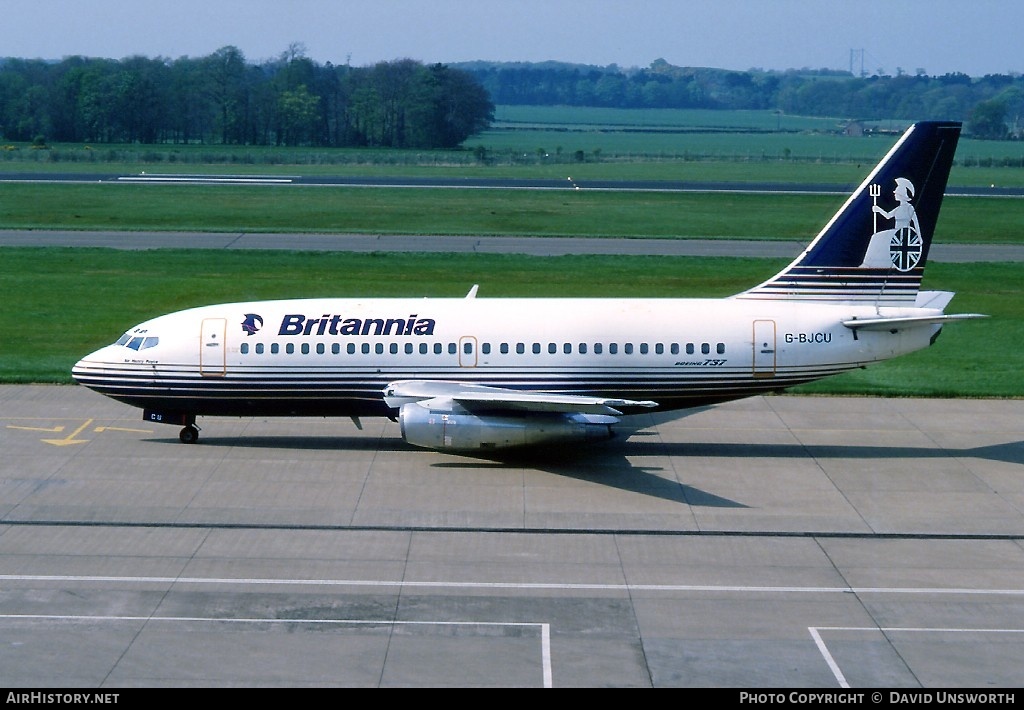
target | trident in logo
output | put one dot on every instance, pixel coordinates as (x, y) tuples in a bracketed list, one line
[(875, 191)]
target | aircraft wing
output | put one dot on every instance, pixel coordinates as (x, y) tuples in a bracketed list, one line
[(473, 397)]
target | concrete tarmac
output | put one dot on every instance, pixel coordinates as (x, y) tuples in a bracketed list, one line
[(775, 542), (535, 246)]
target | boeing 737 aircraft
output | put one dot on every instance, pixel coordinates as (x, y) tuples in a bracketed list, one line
[(475, 374)]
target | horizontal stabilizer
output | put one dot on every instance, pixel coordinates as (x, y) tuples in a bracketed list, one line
[(934, 299), (899, 323)]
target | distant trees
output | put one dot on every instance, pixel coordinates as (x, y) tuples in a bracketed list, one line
[(223, 98), (292, 100), (804, 92), (988, 119)]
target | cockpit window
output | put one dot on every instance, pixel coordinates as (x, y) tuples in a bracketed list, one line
[(138, 342)]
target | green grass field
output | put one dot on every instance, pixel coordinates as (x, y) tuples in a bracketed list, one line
[(542, 141), (466, 212)]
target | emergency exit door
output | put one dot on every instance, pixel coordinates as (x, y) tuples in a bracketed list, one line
[(764, 348)]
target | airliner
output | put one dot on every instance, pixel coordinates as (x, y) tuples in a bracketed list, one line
[(476, 374)]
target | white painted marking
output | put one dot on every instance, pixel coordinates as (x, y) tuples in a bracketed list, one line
[(201, 179), (544, 629), (823, 650), (510, 585), (841, 679), (545, 652)]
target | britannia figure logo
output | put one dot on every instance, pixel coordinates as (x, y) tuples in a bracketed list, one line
[(900, 247)]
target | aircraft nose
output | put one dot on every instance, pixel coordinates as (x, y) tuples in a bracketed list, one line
[(84, 368), (79, 369)]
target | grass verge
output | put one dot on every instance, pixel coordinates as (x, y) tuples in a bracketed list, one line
[(473, 212)]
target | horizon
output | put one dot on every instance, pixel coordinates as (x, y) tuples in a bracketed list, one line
[(826, 71), (936, 37)]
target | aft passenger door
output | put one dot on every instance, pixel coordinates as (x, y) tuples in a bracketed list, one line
[(213, 348)]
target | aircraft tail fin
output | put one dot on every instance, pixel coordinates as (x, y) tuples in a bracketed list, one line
[(875, 247)]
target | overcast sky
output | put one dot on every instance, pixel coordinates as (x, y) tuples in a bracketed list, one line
[(940, 36)]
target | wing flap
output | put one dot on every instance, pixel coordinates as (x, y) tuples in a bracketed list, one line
[(473, 396)]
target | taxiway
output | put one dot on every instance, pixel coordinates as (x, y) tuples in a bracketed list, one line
[(773, 542)]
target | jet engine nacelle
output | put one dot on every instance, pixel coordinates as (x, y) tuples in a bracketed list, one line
[(460, 430)]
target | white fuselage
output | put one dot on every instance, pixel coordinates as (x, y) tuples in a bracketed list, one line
[(334, 356)]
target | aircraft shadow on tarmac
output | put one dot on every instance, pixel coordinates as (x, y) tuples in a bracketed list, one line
[(613, 463), (637, 445), (606, 463)]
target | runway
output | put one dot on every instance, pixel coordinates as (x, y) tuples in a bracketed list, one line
[(774, 542)]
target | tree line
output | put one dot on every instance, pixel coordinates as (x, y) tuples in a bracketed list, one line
[(292, 100), (991, 104), (223, 98)]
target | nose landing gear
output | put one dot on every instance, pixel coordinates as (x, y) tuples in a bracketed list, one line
[(189, 435)]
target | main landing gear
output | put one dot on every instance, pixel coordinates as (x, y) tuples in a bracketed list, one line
[(189, 435)]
